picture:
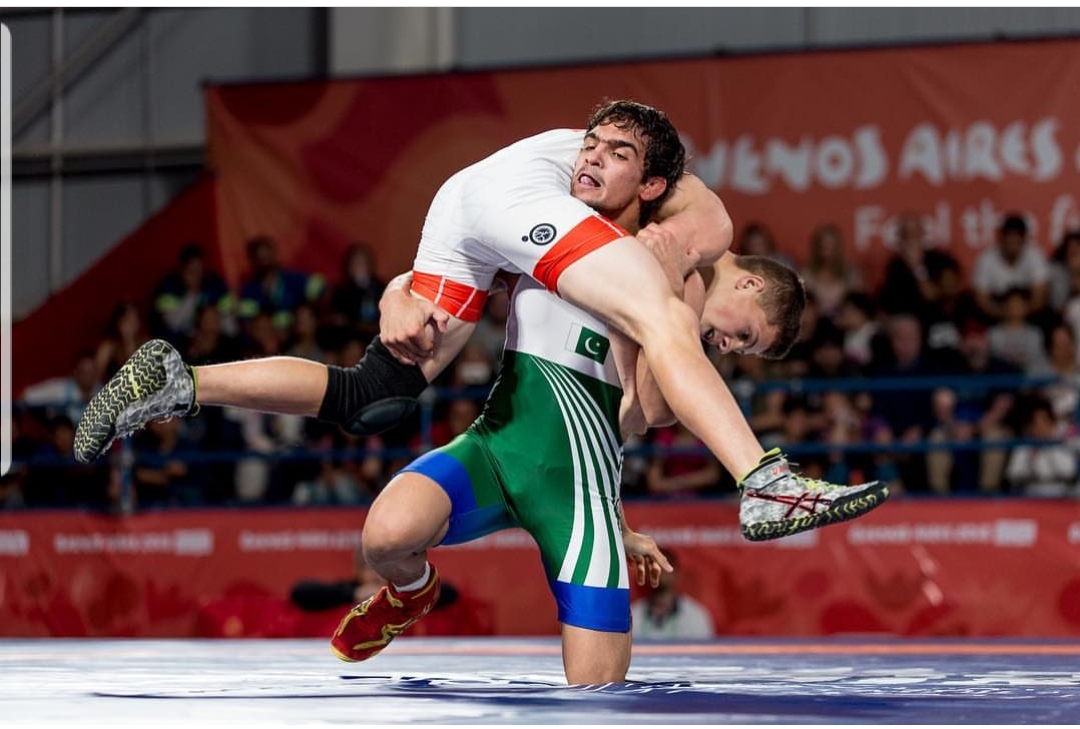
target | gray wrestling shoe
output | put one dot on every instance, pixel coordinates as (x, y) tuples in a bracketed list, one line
[(778, 503), (154, 384)]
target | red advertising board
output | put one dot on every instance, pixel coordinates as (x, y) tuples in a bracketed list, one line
[(911, 568)]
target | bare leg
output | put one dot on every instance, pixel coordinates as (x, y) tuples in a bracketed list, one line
[(284, 385), (410, 515), (595, 656)]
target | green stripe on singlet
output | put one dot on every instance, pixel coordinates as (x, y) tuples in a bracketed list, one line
[(596, 452)]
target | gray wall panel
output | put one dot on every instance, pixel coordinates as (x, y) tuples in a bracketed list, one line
[(191, 47), (98, 213), (164, 186), (31, 64), (29, 245), (374, 41), (899, 25), (105, 106), (491, 36)]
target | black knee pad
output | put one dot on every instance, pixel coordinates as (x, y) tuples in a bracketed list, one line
[(374, 395)]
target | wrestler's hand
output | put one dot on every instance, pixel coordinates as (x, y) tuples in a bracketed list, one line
[(675, 258), (410, 327), (646, 559)]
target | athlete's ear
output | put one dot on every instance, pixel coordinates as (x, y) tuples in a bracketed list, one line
[(750, 281), (652, 188)]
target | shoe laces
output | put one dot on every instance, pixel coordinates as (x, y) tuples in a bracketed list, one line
[(813, 484)]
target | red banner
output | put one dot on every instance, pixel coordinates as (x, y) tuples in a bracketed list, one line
[(959, 134), (913, 568)]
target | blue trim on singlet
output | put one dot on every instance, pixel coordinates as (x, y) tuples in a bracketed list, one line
[(593, 608), (467, 520)]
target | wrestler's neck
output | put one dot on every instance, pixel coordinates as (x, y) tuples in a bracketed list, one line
[(726, 268), (626, 217)]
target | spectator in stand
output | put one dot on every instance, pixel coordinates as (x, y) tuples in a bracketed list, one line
[(828, 362), (473, 368), (841, 423), (954, 305), (635, 467), (764, 406), (210, 343), (1070, 309), (213, 430), (160, 476), (490, 332), (263, 434), (798, 360), (952, 470), (58, 480), (992, 405), (184, 292), (1045, 470), (912, 273), (827, 358), (331, 484), (907, 411), (1013, 338), (758, 240), (66, 395), (681, 473), (1064, 283), (350, 471), (668, 613), (123, 335), (453, 418), (857, 319), (275, 291), (13, 483), (304, 338), (797, 428), (261, 338), (354, 302), (349, 353), (11, 486), (829, 273), (1015, 262), (841, 426), (1064, 393)]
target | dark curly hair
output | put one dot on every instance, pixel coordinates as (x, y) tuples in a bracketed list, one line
[(665, 155)]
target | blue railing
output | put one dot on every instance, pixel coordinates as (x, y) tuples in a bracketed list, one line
[(125, 458)]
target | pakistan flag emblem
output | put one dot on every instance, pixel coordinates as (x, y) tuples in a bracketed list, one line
[(587, 343)]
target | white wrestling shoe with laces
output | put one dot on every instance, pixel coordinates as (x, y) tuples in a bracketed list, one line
[(778, 503)]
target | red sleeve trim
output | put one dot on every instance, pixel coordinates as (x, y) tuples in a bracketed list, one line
[(583, 239), (463, 301)]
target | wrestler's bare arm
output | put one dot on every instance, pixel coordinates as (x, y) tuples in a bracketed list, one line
[(697, 218), (623, 283), (644, 405), (417, 331), (646, 559)]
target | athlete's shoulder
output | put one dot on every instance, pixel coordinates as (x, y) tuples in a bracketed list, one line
[(552, 139)]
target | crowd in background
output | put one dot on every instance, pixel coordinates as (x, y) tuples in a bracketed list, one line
[(938, 380)]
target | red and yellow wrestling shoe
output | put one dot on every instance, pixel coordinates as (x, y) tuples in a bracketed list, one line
[(370, 626)]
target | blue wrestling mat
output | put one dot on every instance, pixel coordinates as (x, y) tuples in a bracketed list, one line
[(497, 681)]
